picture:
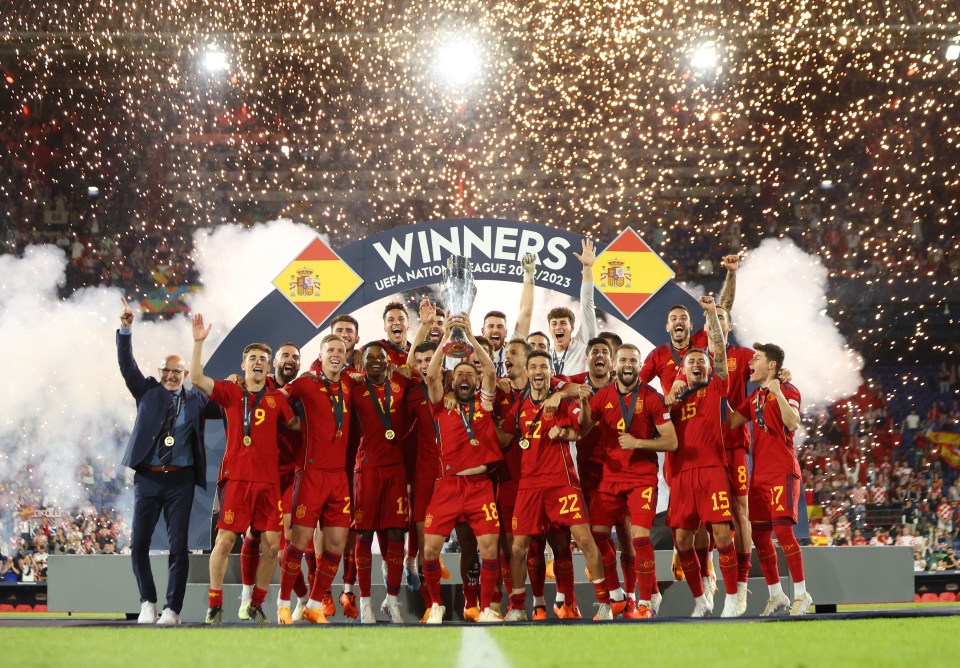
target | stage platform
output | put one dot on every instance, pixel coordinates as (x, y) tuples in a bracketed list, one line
[(105, 583)]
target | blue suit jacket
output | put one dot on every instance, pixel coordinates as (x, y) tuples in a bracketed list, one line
[(152, 402)]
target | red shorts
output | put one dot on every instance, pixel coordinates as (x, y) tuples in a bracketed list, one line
[(249, 504), (591, 473), (507, 498), (699, 496), (422, 493), (613, 501), (539, 507), (287, 482), (738, 473), (321, 495), (380, 498), (463, 498), (772, 499)]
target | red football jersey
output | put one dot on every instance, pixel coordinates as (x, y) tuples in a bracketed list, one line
[(395, 354), (428, 451), (547, 462), (512, 455), (621, 465), (738, 375), (773, 452), (259, 461), (289, 441), (456, 452), (665, 361), (324, 448), (587, 450), (375, 448), (699, 423)]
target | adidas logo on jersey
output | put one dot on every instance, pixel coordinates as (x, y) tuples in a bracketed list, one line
[(608, 406)]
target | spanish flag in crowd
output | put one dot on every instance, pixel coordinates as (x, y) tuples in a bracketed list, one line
[(948, 445)]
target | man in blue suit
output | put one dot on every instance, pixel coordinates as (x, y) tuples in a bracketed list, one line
[(166, 451)]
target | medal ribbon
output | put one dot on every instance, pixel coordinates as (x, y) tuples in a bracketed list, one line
[(384, 415), (558, 362), (627, 411), (337, 401), (759, 406), (467, 418), (536, 418), (248, 410)]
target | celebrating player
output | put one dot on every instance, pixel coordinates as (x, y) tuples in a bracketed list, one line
[(249, 473), (775, 491)]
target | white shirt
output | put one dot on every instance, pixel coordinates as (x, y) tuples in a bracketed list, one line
[(574, 359)]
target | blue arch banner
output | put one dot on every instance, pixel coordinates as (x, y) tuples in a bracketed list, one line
[(411, 257)]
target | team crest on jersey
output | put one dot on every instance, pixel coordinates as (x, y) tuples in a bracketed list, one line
[(428, 520), (514, 524), (271, 402), (731, 364), (701, 393), (228, 517), (358, 516), (639, 406), (301, 511), (394, 387)]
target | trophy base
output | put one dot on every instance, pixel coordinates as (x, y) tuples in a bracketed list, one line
[(459, 349)]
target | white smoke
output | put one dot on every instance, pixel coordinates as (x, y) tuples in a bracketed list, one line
[(67, 403), (782, 298)]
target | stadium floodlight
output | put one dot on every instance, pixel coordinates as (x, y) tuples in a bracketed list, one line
[(458, 61), (93, 191), (952, 51), (215, 59), (706, 57)]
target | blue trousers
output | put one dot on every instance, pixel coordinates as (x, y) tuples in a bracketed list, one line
[(172, 494)]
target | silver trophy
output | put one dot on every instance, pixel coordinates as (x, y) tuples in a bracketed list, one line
[(458, 291)]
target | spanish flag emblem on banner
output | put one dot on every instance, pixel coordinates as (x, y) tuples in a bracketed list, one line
[(317, 282), (948, 444)]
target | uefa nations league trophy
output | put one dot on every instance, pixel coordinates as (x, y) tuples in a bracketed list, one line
[(458, 291)]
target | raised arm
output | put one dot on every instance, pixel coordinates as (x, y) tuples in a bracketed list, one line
[(434, 377), (525, 316), (731, 263), (200, 333), (718, 344), (132, 376), (488, 383), (588, 315), (427, 313)]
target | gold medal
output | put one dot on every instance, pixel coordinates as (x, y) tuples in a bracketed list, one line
[(524, 443), (247, 440), (474, 442), (339, 433), (169, 441), (390, 434)]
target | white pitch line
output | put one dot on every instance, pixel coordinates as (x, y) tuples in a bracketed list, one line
[(478, 649)]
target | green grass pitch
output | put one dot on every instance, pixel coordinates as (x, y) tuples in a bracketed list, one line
[(927, 642)]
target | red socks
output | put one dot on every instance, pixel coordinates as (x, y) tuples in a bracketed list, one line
[(743, 566), (609, 558), (290, 570), (767, 553), (249, 559), (364, 556), (646, 567), (691, 571), (628, 566), (214, 598), (728, 567), (489, 570), (536, 568), (394, 556), (791, 550), (431, 581), (327, 567), (563, 570)]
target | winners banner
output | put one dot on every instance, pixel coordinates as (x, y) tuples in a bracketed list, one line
[(631, 283)]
